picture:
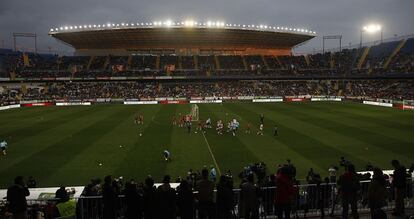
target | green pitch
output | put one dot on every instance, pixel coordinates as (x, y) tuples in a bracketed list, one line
[(66, 145)]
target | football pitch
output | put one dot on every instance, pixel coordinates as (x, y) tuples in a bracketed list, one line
[(71, 145)]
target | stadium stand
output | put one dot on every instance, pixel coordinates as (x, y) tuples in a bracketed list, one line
[(384, 59)]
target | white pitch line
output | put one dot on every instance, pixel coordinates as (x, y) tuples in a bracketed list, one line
[(211, 153)]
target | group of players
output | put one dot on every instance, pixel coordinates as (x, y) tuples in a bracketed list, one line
[(233, 125)]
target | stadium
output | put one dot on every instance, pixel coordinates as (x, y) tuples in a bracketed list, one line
[(171, 101)]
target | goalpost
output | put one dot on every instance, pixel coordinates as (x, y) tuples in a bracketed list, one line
[(194, 112), (408, 105)]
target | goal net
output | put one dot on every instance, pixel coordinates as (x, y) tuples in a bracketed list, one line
[(408, 104), (194, 112)]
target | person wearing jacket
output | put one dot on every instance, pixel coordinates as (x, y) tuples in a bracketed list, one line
[(377, 193), (285, 192), (348, 187)]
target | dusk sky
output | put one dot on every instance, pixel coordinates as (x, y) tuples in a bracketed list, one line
[(326, 17)]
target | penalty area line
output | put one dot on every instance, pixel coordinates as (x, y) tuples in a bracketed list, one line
[(211, 153)]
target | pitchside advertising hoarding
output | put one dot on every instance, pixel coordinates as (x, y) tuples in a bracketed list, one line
[(374, 103), (9, 107), (136, 102), (74, 104)]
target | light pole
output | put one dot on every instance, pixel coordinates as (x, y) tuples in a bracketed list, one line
[(372, 28)]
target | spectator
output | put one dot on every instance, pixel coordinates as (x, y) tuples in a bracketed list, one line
[(225, 197), (31, 182), (349, 187), (150, 204), (109, 196), (166, 199), (185, 200), (249, 196), (134, 201), (205, 189), (284, 192), (399, 183), (16, 196), (377, 193), (62, 195)]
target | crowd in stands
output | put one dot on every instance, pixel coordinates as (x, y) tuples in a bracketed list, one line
[(344, 62), (260, 192), (384, 89)]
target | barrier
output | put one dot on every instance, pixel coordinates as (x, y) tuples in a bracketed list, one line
[(37, 104), (206, 101), (9, 107), (294, 99), (310, 200), (377, 103), (266, 100), (326, 99), (74, 104), (140, 102), (173, 101)]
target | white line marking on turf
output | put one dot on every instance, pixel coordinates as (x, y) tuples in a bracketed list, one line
[(211, 153)]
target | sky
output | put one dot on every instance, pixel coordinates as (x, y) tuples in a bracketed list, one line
[(326, 17)]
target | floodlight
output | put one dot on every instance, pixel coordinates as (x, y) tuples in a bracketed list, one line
[(372, 28), (189, 23), (168, 23)]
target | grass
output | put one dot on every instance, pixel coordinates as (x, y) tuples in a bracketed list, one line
[(65, 145)]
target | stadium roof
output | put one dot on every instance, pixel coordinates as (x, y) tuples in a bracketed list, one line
[(158, 35)]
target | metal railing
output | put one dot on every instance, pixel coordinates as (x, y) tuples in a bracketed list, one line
[(311, 200)]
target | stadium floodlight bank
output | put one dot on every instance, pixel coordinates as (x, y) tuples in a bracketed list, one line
[(181, 38), (180, 24)]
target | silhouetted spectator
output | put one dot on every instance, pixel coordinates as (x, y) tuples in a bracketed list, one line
[(109, 196), (31, 182), (349, 187), (285, 192), (249, 196), (134, 201), (205, 196), (225, 197), (62, 195), (16, 196), (150, 204), (399, 183), (377, 192), (166, 199), (185, 200)]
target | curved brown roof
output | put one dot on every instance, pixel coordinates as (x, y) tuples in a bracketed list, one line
[(159, 37)]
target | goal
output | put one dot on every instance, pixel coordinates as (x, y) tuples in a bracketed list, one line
[(194, 112), (408, 105)]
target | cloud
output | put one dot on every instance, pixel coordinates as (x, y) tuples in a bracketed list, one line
[(327, 17)]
